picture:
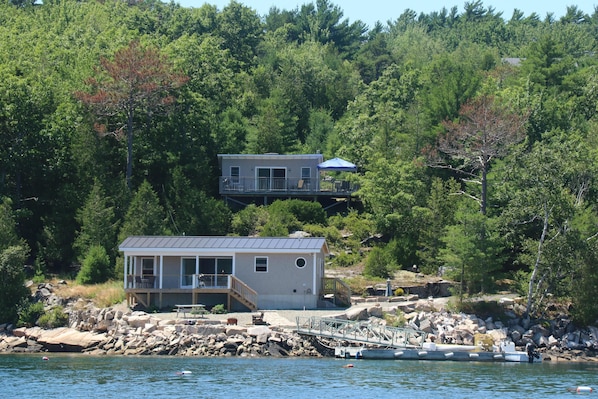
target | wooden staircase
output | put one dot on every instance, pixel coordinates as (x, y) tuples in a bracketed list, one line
[(242, 293), (340, 290)]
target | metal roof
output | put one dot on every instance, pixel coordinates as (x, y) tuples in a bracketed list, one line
[(228, 243), (272, 156)]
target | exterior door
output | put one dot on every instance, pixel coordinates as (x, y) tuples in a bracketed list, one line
[(263, 179), (271, 178), (187, 272)]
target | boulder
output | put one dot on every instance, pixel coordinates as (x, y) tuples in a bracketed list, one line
[(69, 340), (357, 314)]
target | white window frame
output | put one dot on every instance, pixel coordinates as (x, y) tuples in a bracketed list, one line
[(235, 177), (145, 271), (255, 264)]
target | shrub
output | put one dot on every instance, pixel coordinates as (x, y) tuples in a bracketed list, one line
[(399, 292), (96, 266), (12, 276), (29, 313), (304, 211), (395, 320), (218, 309), (250, 220), (54, 318), (379, 263)]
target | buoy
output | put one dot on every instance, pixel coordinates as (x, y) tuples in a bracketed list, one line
[(45, 358), (348, 366), (449, 355), (184, 372), (584, 390)]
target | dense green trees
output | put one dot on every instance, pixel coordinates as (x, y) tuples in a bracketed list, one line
[(508, 99)]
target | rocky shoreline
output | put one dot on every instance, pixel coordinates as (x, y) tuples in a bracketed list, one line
[(121, 331)]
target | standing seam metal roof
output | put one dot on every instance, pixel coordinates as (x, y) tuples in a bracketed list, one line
[(220, 242)]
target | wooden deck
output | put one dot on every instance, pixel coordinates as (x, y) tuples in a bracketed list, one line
[(234, 290)]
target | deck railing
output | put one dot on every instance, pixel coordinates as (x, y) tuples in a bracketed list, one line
[(336, 287), (236, 185), (177, 281)]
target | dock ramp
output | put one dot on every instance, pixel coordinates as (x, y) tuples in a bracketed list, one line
[(361, 332)]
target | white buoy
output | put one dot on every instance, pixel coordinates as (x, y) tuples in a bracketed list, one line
[(584, 390)]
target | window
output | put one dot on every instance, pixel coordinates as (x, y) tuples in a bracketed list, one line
[(261, 264), (235, 173), (147, 266), (306, 176), (187, 271), (300, 263)]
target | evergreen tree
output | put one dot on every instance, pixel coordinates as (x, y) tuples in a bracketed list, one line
[(145, 215)]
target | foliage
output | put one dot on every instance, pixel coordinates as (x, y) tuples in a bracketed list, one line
[(303, 211), (218, 309), (145, 215), (139, 81), (380, 263), (447, 88), (29, 313), (331, 233), (103, 295), (12, 279), (54, 318), (96, 266), (98, 224), (250, 220), (395, 320), (345, 259), (472, 252)]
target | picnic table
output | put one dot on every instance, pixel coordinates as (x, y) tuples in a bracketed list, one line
[(197, 309)]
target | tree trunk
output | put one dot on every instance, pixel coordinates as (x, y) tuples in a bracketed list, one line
[(129, 173), (532, 278)]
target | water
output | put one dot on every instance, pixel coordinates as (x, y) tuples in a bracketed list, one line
[(75, 376)]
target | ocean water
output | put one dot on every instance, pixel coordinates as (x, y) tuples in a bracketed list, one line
[(68, 376)]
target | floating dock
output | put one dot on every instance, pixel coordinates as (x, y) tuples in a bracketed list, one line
[(367, 340)]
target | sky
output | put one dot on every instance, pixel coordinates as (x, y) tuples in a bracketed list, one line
[(370, 11)]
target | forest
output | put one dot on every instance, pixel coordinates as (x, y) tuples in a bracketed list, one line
[(475, 134)]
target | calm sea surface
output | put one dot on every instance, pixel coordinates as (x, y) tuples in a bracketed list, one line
[(82, 376)]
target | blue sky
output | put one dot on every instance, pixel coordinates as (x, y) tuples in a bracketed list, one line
[(370, 11)]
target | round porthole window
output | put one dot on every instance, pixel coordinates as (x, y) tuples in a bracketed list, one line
[(300, 262)]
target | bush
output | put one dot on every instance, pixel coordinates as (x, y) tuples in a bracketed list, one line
[(250, 220), (12, 276), (96, 266), (54, 318), (304, 211), (29, 313), (218, 309), (379, 263)]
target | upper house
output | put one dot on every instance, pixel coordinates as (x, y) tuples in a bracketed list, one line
[(263, 178)]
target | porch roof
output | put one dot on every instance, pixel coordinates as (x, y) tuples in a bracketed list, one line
[(171, 244)]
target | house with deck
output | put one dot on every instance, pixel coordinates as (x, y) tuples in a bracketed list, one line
[(243, 273), (264, 178)]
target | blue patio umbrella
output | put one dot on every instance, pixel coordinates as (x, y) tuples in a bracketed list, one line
[(337, 165)]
